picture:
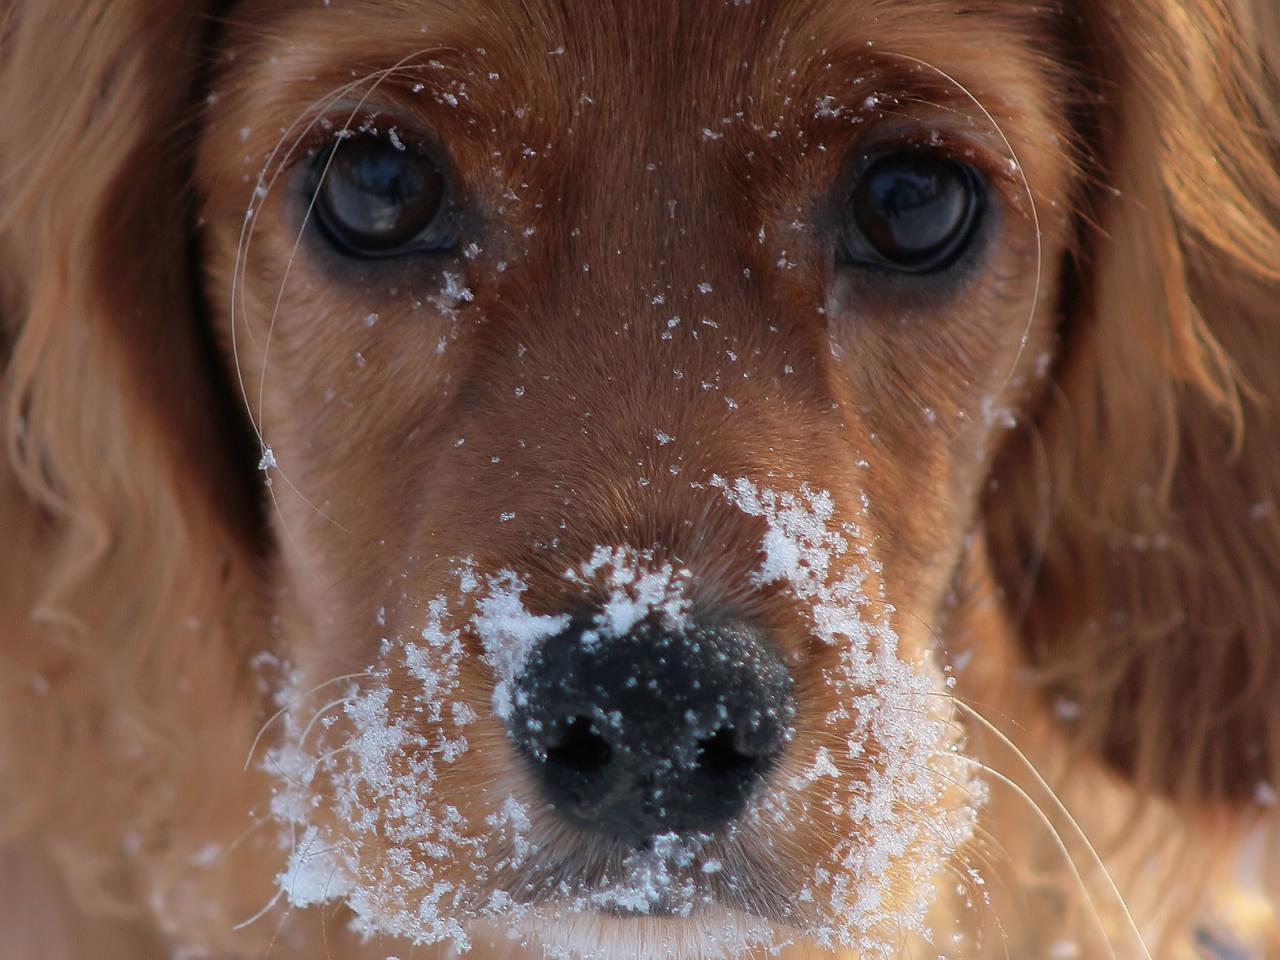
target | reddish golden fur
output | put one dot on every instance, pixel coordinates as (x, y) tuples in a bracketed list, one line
[(1118, 548)]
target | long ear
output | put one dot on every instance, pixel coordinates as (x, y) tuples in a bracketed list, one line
[(1136, 525), (122, 516)]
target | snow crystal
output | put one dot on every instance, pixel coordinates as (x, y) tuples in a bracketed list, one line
[(388, 861), (454, 290), (368, 816), (314, 875), (509, 632), (900, 825), (826, 108), (207, 855), (634, 587), (1066, 710)]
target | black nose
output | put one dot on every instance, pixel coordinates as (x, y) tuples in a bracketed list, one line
[(655, 731)]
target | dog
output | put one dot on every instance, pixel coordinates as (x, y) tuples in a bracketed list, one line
[(598, 479)]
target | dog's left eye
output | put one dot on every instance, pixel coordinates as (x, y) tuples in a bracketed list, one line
[(376, 197), (912, 212)]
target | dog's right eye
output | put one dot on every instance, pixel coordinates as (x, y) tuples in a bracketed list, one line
[(376, 197)]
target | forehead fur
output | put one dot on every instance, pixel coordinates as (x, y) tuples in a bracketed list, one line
[(622, 76)]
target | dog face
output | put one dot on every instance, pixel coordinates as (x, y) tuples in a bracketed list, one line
[(646, 400), (626, 398)]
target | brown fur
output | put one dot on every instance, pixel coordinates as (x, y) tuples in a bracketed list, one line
[(1118, 548)]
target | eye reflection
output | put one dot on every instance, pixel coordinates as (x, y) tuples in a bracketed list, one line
[(377, 197), (912, 212)]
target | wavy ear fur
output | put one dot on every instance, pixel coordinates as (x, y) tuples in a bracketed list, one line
[(125, 527), (1136, 523)]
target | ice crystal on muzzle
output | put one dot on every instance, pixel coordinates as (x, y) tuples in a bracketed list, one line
[(840, 845)]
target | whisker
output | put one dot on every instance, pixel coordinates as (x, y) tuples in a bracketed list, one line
[(1035, 213), (971, 704), (261, 191), (989, 839), (1062, 809), (986, 839), (377, 77), (318, 714), (275, 936), (289, 706), (257, 824), (1066, 854), (324, 924), (949, 694), (261, 913), (293, 846), (968, 882), (247, 227), (301, 496), (330, 754)]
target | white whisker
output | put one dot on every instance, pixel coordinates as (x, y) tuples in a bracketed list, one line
[(1066, 854), (289, 706), (1035, 214), (262, 189), (1064, 812), (293, 845), (315, 717)]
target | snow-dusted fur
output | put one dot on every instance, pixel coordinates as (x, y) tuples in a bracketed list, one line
[(278, 531)]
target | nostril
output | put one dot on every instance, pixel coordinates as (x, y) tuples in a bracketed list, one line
[(719, 755), (574, 743)]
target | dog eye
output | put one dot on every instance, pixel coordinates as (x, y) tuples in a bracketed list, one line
[(380, 198), (912, 212)]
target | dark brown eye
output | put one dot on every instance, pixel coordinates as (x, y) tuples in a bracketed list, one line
[(912, 212), (380, 198)]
